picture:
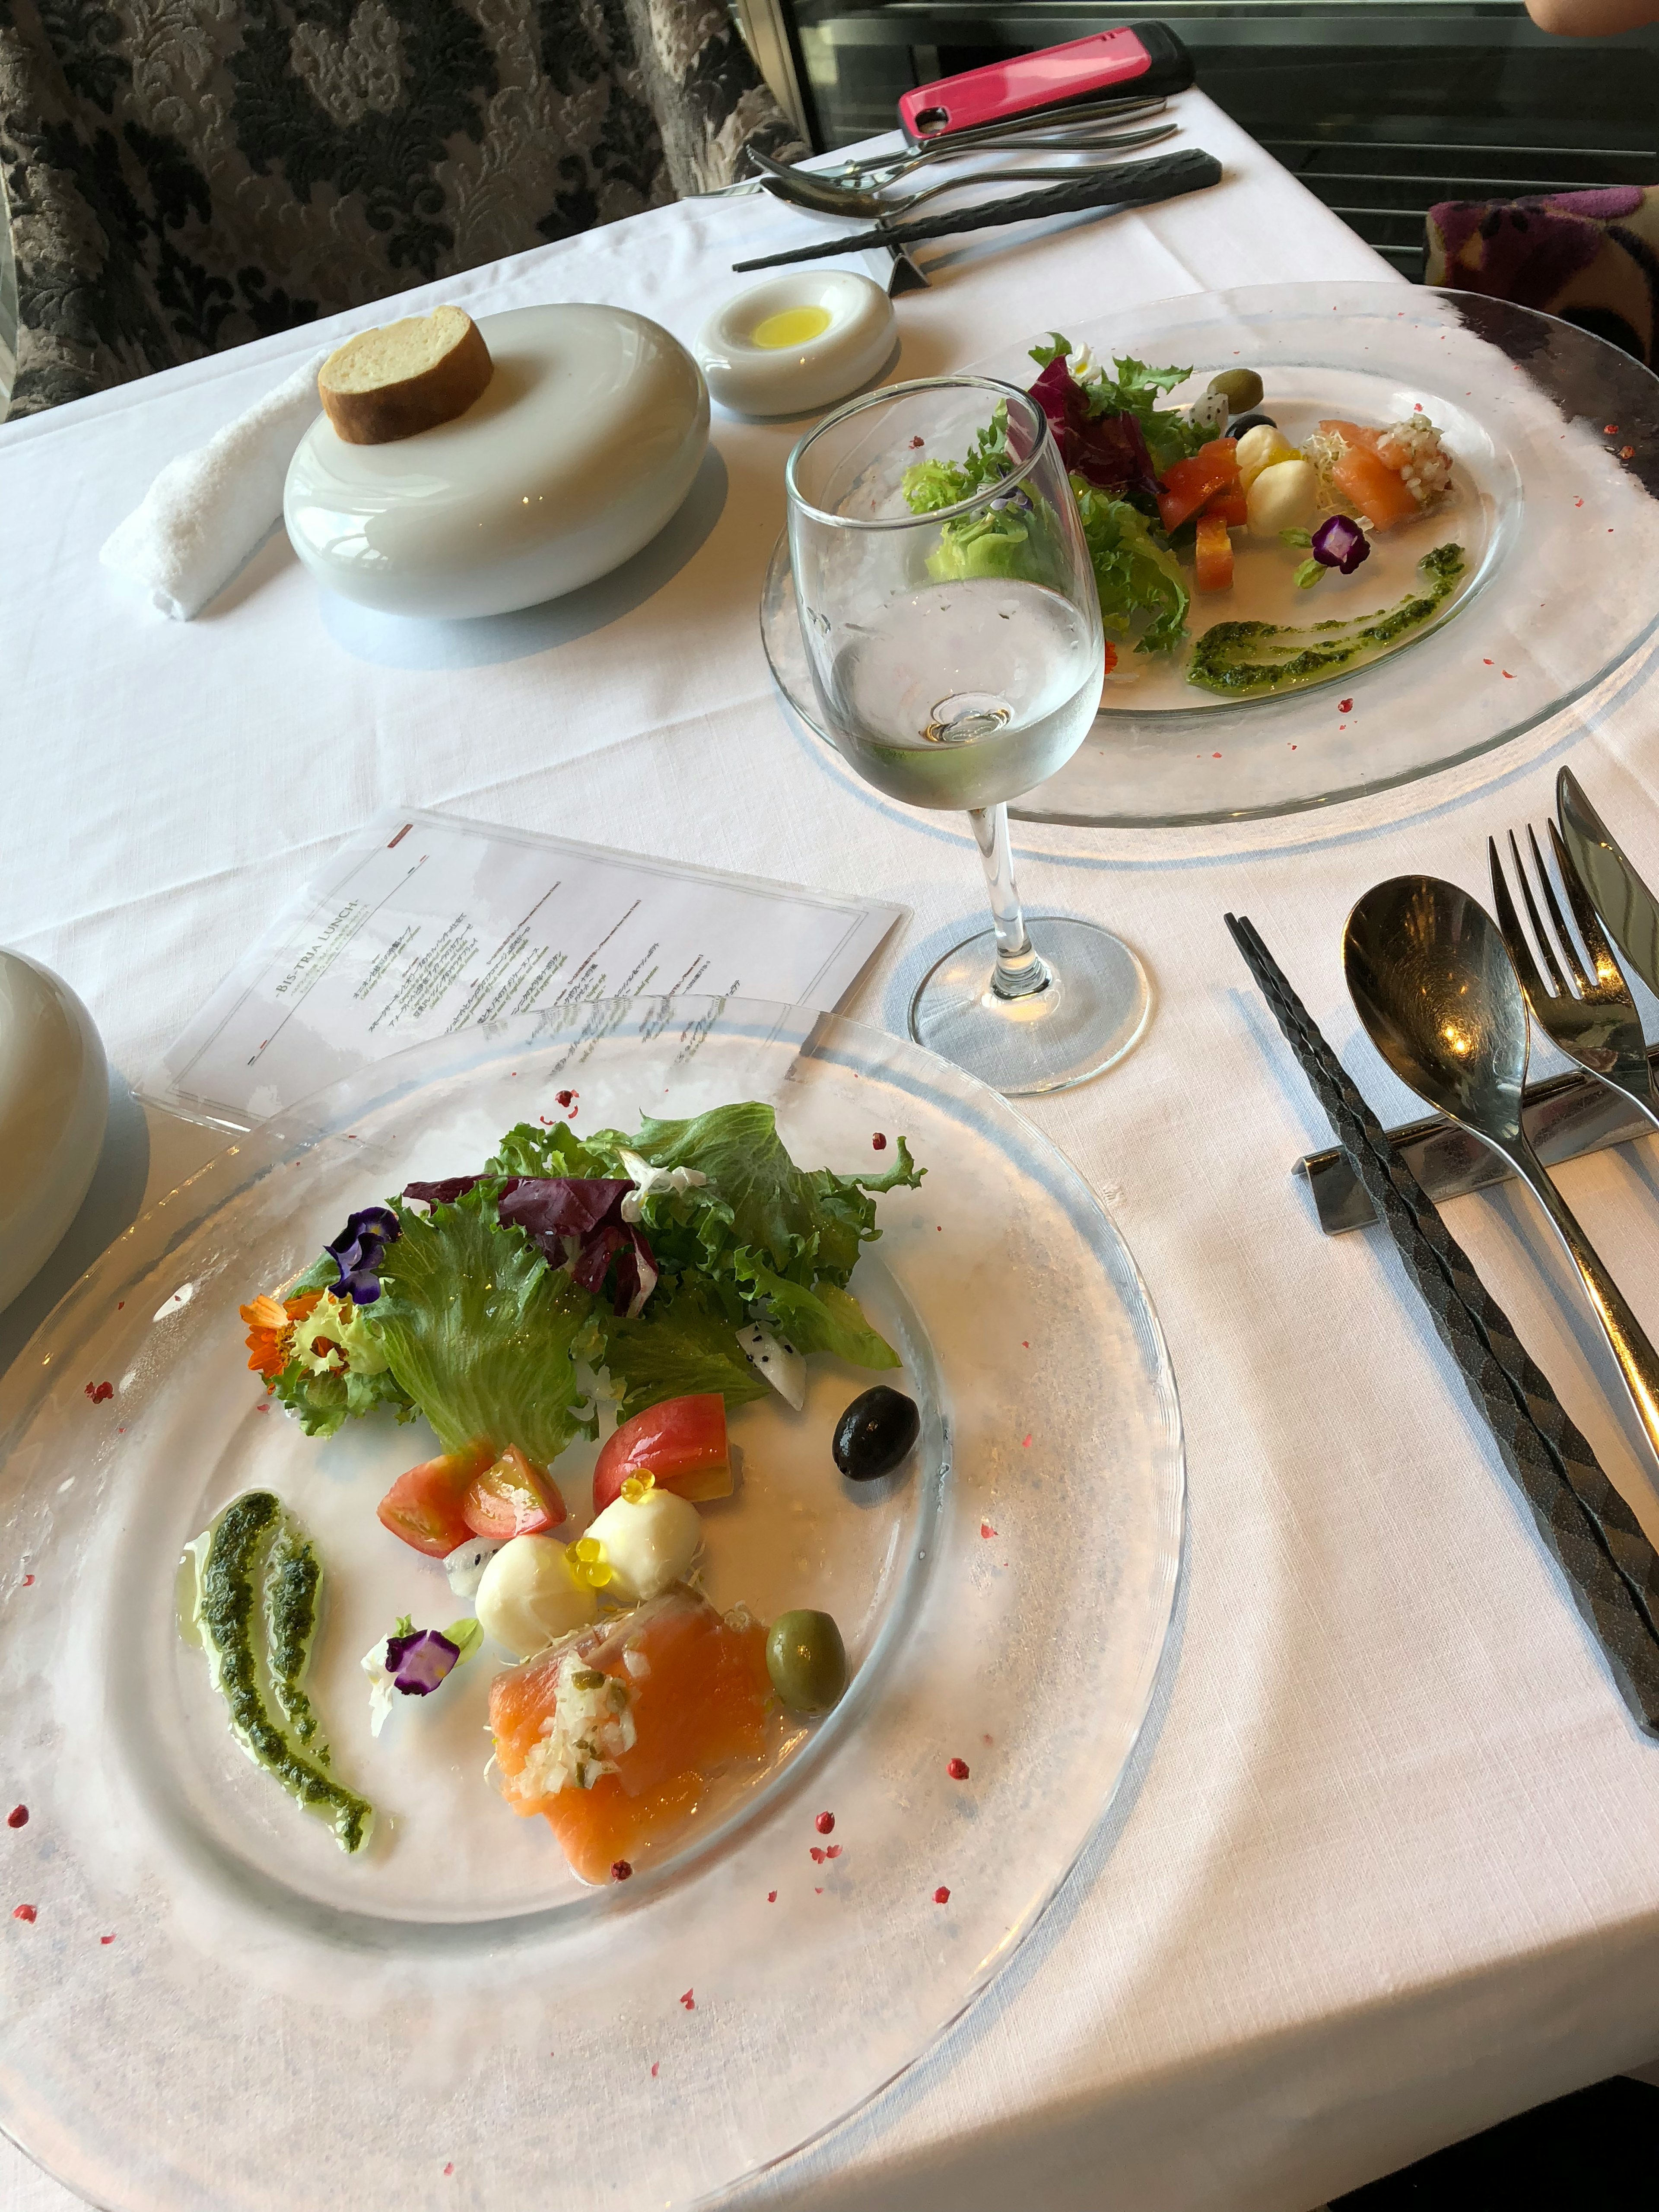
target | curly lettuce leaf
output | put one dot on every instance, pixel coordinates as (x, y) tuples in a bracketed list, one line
[(684, 1344), (997, 545), (320, 1403), (1135, 576), (930, 484), (826, 1319), (554, 1150), (803, 1223), (480, 1331)]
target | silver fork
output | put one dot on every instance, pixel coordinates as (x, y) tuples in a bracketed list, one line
[(1593, 1019), (800, 189), (1073, 128)]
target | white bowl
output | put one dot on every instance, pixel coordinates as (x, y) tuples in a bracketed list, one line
[(581, 447), (54, 1101), (752, 377)]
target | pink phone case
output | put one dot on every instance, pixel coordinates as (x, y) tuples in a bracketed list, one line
[(1099, 63)]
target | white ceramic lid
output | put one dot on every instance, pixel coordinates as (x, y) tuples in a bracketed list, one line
[(54, 1098), (582, 446)]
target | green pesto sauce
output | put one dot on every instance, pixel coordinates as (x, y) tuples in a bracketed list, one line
[(1240, 659), (293, 1580), (226, 1610)]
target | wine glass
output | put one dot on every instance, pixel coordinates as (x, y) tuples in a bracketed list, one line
[(958, 657)]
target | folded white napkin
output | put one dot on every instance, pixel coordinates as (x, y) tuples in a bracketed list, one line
[(210, 509)]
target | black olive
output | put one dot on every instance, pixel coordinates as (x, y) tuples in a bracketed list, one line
[(1241, 423), (875, 1433)]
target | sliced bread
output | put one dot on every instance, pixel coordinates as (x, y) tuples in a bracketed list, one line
[(410, 376)]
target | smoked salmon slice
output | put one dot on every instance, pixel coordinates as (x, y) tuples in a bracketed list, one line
[(613, 1734)]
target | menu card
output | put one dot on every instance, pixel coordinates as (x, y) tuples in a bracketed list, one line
[(424, 923)]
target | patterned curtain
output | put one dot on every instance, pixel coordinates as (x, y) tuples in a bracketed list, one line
[(185, 175)]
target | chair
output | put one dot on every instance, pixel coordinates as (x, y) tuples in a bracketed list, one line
[(1591, 258), (186, 177)]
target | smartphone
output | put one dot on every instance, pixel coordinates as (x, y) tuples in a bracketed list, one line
[(1131, 64)]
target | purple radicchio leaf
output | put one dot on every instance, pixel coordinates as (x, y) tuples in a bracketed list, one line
[(636, 1276), (558, 1211), (1342, 544), (576, 1220), (1109, 450), (549, 1208), (441, 1194), (418, 1662)]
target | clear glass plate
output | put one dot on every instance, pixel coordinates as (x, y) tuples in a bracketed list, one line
[(1557, 437), (214, 2007)]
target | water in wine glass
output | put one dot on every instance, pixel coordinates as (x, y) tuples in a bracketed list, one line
[(963, 694)]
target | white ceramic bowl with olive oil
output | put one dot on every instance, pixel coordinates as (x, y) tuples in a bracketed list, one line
[(796, 343)]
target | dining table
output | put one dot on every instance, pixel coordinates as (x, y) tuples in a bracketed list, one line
[(1384, 1866)]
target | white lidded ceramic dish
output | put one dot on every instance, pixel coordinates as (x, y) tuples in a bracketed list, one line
[(798, 341), (584, 444), (54, 1100)]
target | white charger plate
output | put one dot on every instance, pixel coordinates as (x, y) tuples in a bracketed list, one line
[(214, 2007), (1557, 437)]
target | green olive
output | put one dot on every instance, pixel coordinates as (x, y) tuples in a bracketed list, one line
[(1240, 388), (807, 1662)]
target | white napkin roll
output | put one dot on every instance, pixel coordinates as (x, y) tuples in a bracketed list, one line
[(210, 509)]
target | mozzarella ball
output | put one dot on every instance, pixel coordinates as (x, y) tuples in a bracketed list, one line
[(528, 1596), (1259, 449), (1282, 498), (648, 1545)]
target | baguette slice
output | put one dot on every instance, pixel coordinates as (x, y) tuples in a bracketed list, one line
[(410, 376)]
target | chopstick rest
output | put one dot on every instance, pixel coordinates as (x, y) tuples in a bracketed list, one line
[(1133, 183), (1587, 1527), (1565, 1116)]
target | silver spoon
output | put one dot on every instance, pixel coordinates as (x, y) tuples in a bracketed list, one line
[(1430, 977), (802, 189), (1074, 131)]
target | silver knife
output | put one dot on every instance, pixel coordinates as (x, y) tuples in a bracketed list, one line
[(1628, 910)]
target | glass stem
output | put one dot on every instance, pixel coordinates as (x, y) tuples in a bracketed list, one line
[(1019, 969)]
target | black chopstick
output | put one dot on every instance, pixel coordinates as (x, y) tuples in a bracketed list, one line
[(1131, 184), (1589, 1530)]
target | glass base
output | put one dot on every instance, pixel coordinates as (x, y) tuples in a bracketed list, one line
[(1093, 1010)]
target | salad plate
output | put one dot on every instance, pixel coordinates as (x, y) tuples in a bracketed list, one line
[(209, 2002), (1553, 440)]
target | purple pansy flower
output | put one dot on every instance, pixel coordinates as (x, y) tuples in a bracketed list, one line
[(358, 1250), (1342, 544), (418, 1662)]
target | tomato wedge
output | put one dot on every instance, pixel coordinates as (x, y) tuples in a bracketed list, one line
[(512, 1497), (1214, 555), (1188, 485), (1232, 506), (680, 1443), (423, 1506)]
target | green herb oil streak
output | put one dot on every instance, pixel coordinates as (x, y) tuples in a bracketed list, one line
[(1241, 658), (293, 1580), (226, 1609)]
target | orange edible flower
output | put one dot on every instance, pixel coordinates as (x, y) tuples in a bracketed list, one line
[(270, 1328)]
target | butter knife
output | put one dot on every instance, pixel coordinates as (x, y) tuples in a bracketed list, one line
[(1629, 912)]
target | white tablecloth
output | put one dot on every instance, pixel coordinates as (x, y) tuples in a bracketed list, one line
[(1387, 1866)]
